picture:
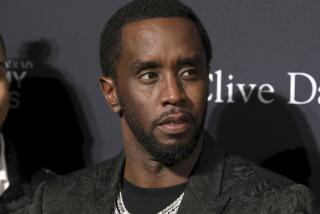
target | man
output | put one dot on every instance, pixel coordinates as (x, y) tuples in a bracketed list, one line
[(155, 56), (15, 193)]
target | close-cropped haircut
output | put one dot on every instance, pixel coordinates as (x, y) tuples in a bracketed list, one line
[(110, 41), (2, 45)]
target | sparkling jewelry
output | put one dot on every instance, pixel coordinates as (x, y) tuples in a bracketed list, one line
[(171, 209)]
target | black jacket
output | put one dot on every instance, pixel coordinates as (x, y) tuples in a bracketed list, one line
[(218, 184), (18, 195)]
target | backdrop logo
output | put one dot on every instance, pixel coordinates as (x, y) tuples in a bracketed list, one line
[(17, 71), (245, 90)]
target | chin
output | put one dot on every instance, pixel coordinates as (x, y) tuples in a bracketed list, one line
[(171, 151), (175, 141)]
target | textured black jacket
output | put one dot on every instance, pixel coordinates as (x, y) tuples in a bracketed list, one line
[(218, 184), (18, 195)]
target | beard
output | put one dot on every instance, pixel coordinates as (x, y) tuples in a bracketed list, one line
[(168, 155)]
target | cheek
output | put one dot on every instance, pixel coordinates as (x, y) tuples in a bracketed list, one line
[(139, 101), (138, 96)]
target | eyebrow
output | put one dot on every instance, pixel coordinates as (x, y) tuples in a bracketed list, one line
[(194, 60), (139, 65)]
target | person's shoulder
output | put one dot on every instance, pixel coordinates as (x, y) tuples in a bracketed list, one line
[(264, 190), (240, 172), (79, 190), (83, 182), (82, 178)]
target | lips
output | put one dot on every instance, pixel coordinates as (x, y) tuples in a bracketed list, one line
[(175, 124)]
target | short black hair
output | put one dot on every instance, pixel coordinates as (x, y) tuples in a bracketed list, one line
[(110, 40), (2, 45)]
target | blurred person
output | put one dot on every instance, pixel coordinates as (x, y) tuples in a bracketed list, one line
[(15, 188), (14, 191)]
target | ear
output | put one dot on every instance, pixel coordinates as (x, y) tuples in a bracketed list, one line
[(108, 87)]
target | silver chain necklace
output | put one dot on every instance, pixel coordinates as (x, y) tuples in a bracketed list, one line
[(171, 209)]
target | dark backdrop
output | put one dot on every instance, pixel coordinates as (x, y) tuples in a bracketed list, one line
[(57, 107)]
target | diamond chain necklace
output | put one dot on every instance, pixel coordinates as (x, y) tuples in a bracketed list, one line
[(171, 209)]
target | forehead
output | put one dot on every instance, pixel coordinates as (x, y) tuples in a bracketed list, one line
[(160, 35), (157, 24)]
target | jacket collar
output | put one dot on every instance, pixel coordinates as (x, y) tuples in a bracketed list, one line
[(16, 188), (203, 192), (108, 184), (18, 194)]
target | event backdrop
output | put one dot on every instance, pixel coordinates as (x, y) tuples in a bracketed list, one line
[(264, 100)]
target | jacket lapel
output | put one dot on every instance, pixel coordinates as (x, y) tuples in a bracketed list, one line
[(15, 189), (203, 193), (108, 185), (18, 194)]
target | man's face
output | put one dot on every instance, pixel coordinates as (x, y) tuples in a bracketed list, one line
[(4, 92), (162, 84)]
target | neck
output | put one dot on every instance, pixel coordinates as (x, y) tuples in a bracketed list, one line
[(141, 170)]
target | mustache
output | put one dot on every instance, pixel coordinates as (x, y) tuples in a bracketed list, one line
[(174, 115)]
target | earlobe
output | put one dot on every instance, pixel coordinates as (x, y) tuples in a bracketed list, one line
[(109, 91)]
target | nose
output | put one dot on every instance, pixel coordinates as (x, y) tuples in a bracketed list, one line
[(173, 91)]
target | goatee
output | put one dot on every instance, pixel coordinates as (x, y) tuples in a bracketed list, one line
[(168, 155)]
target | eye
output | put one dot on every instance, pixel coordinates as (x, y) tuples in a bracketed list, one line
[(148, 77), (188, 74)]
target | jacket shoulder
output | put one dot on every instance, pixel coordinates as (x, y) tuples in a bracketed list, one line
[(79, 192), (241, 173), (255, 189), (82, 179)]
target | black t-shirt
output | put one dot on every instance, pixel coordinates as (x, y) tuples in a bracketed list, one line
[(139, 200)]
